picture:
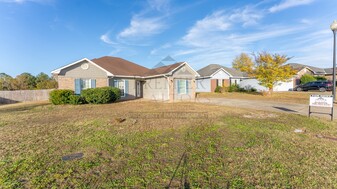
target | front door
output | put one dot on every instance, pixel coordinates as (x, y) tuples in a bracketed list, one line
[(138, 89)]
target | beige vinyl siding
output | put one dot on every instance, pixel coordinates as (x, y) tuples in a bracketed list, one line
[(75, 71), (156, 89), (131, 90), (184, 72)]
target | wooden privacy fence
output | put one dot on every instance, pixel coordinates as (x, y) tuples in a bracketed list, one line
[(7, 97)]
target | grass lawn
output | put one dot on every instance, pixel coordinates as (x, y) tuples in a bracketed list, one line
[(163, 144), (287, 97)]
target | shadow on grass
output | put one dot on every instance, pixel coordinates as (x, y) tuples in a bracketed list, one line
[(20, 108), (284, 109), (4, 101)]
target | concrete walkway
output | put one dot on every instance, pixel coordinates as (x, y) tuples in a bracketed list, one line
[(301, 109)]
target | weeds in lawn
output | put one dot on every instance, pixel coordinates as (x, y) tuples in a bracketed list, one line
[(226, 149)]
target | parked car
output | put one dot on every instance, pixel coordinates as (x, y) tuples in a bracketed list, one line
[(315, 85)]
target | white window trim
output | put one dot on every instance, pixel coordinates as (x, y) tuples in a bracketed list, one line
[(81, 83), (185, 89), (124, 86)]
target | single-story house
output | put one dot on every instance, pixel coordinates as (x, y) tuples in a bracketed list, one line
[(215, 75), (167, 83), (288, 85), (305, 69)]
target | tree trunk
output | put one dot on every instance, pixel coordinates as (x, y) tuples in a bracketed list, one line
[(270, 92)]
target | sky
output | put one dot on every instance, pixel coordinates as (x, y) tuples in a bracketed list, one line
[(43, 35)]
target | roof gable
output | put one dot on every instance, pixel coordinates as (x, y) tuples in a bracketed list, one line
[(211, 69), (115, 66), (57, 71), (298, 67)]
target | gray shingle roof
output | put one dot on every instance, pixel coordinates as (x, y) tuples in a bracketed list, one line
[(298, 67), (210, 69), (328, 70)]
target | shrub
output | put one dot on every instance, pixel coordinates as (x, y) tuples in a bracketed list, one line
[(320, 78), (307, 78), (60, 96), (76, 99), (252, 90), (218, 89), (117, 93), (233, 88), (101, 95)]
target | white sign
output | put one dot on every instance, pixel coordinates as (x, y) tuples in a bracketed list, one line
[(321, 101)]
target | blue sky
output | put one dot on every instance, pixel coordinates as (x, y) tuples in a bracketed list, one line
[(42, 35)]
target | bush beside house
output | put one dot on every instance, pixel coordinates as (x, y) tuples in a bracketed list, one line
[(60, 96), (233, 88), (101, 95), (306, 78)]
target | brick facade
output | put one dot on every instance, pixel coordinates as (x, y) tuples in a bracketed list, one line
[(66, 83), (226, 83), (69, 83), (213, 84), (102, 82)]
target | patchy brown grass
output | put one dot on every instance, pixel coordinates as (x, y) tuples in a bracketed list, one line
[(185, 144), (287, 97)]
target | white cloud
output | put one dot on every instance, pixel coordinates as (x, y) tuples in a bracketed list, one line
[(142, 27), (105, 38), (159, 5), (248, 16), (210, 29), (285, 4), (215, 38), (215, 22)]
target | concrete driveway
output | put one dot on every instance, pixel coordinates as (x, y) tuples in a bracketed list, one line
[(301, 109)]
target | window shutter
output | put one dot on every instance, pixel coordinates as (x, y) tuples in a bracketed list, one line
[(178, 87), (77, 86), (93, 83), (186, 86), (126, 87), (111, 82), (115, 83)]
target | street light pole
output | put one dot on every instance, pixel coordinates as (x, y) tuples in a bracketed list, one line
[(334, 29)]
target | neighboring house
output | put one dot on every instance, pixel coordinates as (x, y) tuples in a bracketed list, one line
[(305, 69), (329, 73), (166, 83), (288, 85), (215, 75), (279, 86)]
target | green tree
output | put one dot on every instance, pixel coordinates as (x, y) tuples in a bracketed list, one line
[(41, 77), (25, 81), (307, 78), (268, 69), (48, 84), (320, 78), (43, 81), (6, 82)]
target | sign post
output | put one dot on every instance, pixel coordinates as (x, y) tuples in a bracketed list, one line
[(324, 101)]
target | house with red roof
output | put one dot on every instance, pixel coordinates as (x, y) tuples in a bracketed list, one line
[(166, 83)]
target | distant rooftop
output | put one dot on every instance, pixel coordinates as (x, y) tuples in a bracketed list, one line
[(210, 69)]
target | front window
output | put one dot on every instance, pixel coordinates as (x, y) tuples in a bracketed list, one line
[(121, 85), (85, 84), (182, 86), (220, 82)]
